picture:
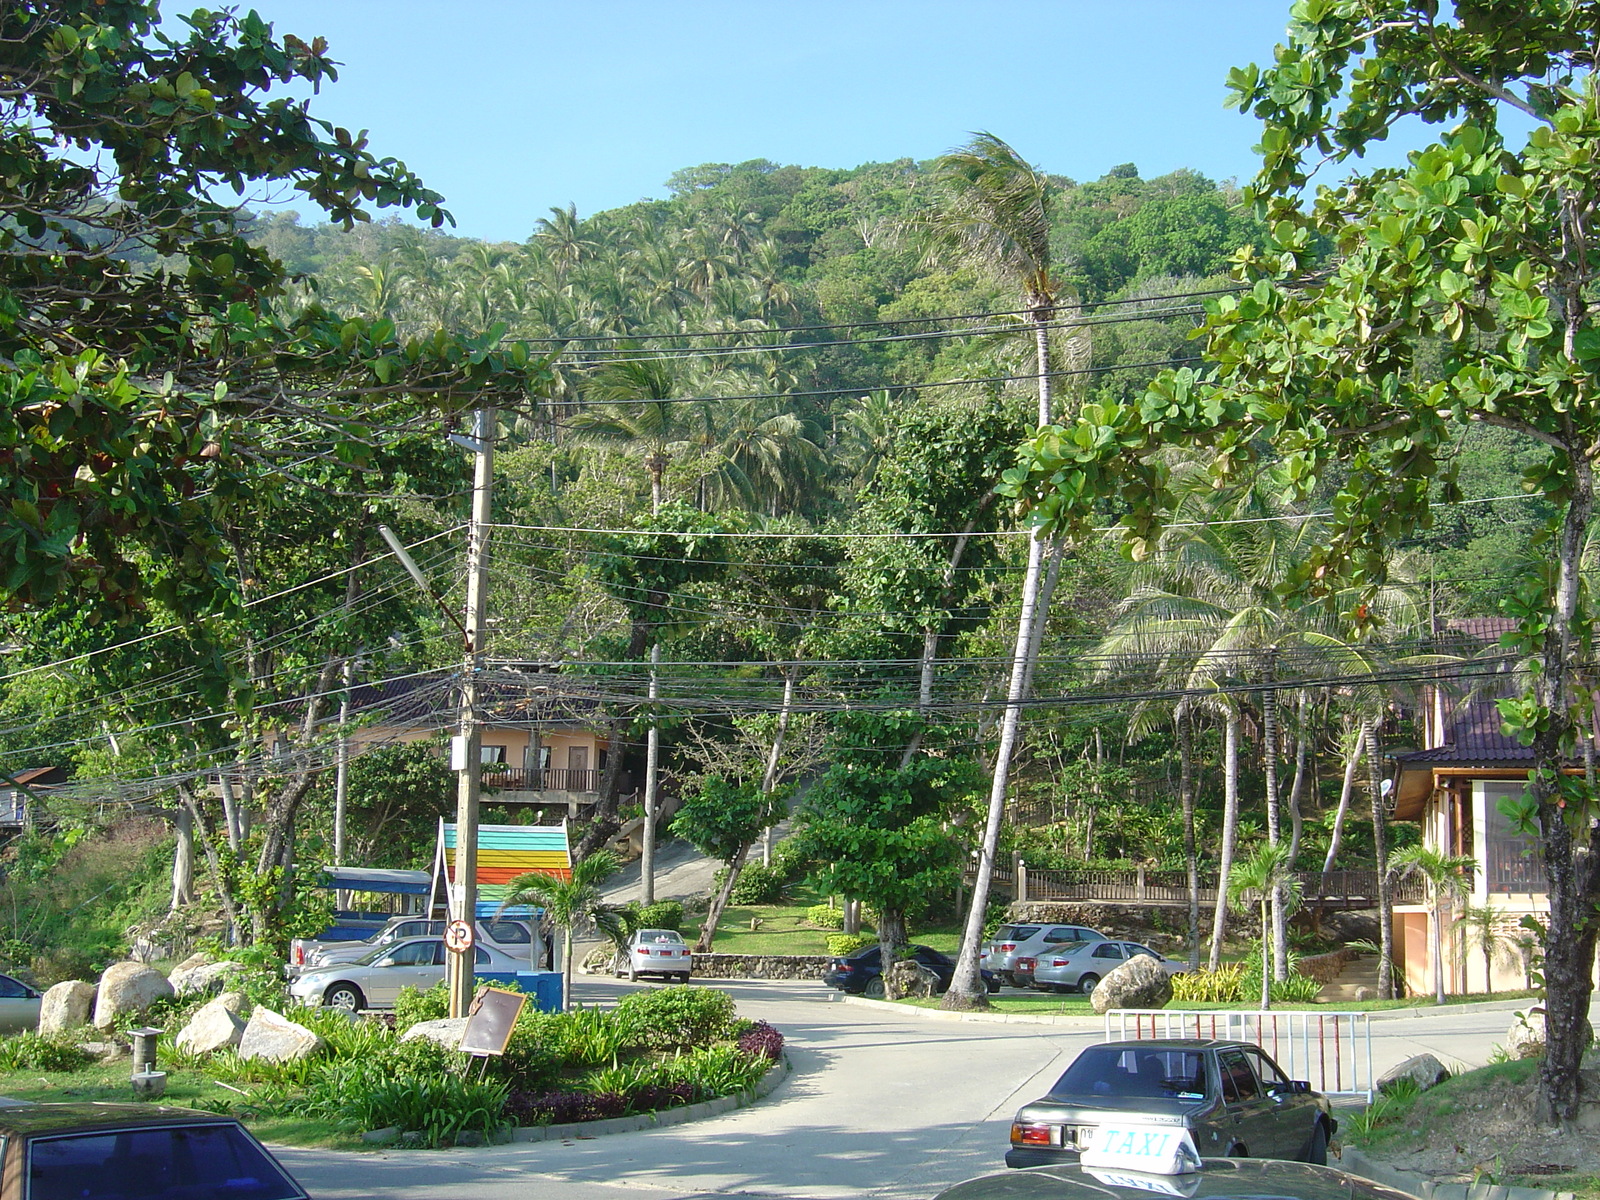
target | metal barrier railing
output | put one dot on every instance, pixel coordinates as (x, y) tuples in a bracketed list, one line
[(1331, 1050)]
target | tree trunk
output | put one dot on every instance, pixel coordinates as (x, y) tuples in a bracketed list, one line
[(1436, 912), (769, 779), (719, 901), (1275, 933), (891, 936), (1230, 832), (183, 857), (1191, 856), (966, 988), (1380, 850), (214, 868), (1351, 765)]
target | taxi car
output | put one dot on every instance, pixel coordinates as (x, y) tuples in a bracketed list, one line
[(87, 1151), (1230, 1097), (1212, 1179), (655, 952)]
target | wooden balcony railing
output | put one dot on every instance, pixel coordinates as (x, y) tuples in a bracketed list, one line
[(1149, 885), (547, 779)]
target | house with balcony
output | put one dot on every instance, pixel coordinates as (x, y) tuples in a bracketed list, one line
[(543, 744), (1451, 786)]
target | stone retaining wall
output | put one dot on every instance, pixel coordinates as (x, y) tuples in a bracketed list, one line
[(761, 966), (1325, 968)]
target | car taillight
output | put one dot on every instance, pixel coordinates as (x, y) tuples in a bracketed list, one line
[(1059, 962), (1006, 947), (1035, 1135), (299, 955)]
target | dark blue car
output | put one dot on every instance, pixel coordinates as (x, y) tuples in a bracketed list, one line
[(861, 973)]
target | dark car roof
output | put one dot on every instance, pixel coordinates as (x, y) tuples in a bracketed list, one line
[(32, 1120), (1177, 1044), (1260, 1179)]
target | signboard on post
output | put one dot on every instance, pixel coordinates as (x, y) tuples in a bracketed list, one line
[(490, 1021)]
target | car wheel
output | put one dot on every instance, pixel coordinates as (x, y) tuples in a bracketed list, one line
[(1010, 980), (1318, 1153), (683, 977), (1086, 982), (346, 996), (992, 984), (874, 989), (1237, 1151), (633, 973)]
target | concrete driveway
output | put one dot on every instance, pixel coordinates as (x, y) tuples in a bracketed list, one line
[(879, 1103)]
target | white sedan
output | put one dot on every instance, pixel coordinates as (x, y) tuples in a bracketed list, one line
[(375, 979), (656, 952)]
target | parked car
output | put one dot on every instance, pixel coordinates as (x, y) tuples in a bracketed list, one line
[(656, 952), (1234, 1100), (512, 938), (1077, 968), (1216, 1179), (861, 973), (1031, 940), (375, 979), (99, 1151), (19, 1006)]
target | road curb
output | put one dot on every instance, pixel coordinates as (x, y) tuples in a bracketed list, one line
[(941, 1014), (1420, 1185), (658, 1120)]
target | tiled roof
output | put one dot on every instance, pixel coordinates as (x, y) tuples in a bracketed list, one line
[(1485, 629), (36, 775), (1473, 739)]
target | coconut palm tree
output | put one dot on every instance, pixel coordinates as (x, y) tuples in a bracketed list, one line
[(572, 903), (1446, 878), (994, 214), (1255, 879), (1479, 927)]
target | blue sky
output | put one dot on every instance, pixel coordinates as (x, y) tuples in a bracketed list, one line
[(511, 106)]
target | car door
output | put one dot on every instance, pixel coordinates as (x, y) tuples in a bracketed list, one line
[(1250, 1118), (411, 964), (19, 1005), (940, 964), (1103, 959), (1291, 1128)]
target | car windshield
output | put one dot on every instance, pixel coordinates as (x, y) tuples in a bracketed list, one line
[(1135, 1072), (196, 1160), (507, 933)]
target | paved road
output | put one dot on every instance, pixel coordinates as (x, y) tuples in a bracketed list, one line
[(879, 1103)]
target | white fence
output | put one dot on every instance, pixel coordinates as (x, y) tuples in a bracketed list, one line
[(1331, 1050)]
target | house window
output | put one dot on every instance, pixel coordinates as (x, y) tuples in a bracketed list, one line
[(491, 754), (1510, 861)]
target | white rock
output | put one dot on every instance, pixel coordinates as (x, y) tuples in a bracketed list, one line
[(202, 977), (447, 1031), (214, 1026), (128, 987), (66, 1006), (274, 1037)]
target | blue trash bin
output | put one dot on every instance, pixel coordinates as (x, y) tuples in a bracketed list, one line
[(543, 987)]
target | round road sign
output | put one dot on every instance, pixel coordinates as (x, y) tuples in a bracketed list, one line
[(458, 937)]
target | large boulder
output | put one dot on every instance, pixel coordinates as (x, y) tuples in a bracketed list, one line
[(447, 1031), (203, 977), (65, 1007), (128, 987), (272, 1036), (1141, 982), (215, 1026), (908, 977), (1525, 1038), (1424, 1070)]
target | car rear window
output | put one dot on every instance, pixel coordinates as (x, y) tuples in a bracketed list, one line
[(507, 933), (200, 1161), (1015, 933), (659, 935), (1132, 1071)]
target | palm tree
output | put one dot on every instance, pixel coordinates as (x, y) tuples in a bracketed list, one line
[(994, 214), (1446, 879), (1479, 927), (573, 904), (1255, 879)]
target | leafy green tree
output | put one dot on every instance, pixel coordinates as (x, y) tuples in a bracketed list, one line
[(574, 905), (880, 826), (1255, 879), (721, 819), (1451, 292)]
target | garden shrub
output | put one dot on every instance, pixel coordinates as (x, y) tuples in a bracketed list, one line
[(789, 861), (825, 916), (32, 1052), (1205, 986), (663, 914), (759, 885), (412, 1006), (842, 945), (563, 1108), (666, 1018), (761, 1040)]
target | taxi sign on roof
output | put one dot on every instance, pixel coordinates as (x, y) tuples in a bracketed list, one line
[(1152, 1149)]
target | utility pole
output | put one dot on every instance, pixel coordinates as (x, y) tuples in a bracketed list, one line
[(468, 759), (652, 761), (341, 769)]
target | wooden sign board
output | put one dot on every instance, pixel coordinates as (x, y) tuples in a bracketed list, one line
[(491, 1019)]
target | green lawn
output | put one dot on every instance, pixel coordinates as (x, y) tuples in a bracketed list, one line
[(109, 1081), (783, 929)]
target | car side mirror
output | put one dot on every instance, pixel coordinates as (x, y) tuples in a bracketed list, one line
[(386, 961), (1294, 1087)]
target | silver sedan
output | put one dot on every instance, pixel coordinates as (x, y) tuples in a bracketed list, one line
[(1079, 967), (375, 979)]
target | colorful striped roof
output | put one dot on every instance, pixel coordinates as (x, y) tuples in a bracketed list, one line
[(506, 851)]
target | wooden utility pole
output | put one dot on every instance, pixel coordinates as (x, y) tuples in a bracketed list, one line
[(652, 767), (466, 750)]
